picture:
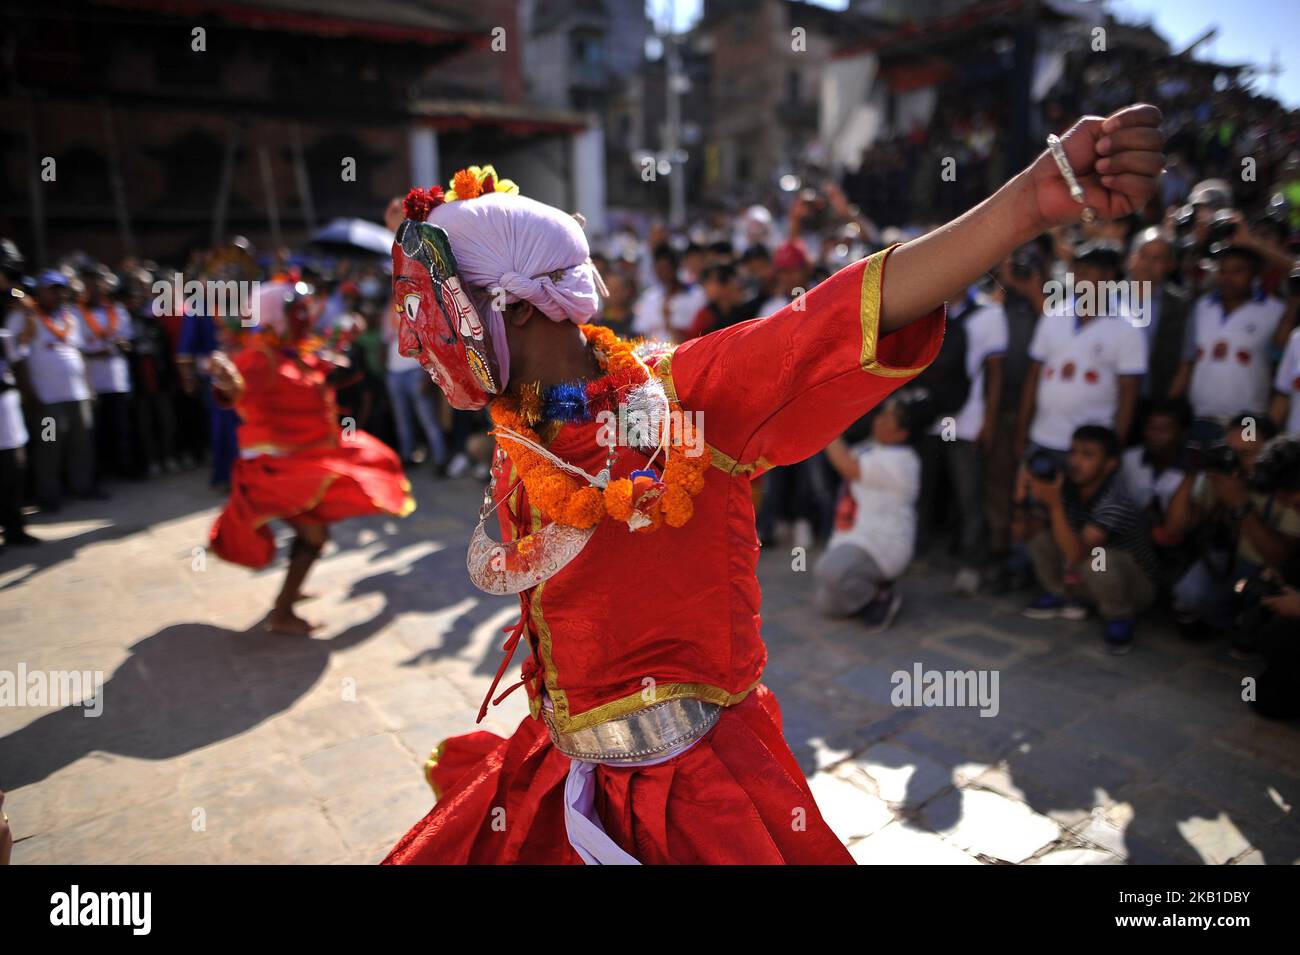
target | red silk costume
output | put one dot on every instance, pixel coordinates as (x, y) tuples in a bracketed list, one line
[(307, 468), (680, 607)]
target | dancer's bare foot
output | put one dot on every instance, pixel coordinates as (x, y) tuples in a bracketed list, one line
[(288, 623)]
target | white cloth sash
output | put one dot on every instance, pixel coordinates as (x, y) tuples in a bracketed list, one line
[(586, 833)]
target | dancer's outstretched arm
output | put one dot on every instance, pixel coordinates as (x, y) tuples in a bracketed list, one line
[(1117, 159)]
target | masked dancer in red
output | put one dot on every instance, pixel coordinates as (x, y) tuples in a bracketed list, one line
[(295, 462), (622, 489)]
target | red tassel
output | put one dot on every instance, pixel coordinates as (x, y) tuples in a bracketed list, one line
[(420, 202), (517, 631)]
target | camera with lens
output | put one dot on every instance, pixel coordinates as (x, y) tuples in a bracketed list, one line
[(816, 209), (1042, 465), (1278, 466), (1223, 226), (1249, 593), (1221, 459), (1185, 219)]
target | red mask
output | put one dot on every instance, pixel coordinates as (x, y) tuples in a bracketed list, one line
[(438, 323)]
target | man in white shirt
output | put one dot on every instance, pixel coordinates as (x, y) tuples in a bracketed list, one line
[(13, 430), (1152, 472), (875, 523), (954, 444), (48, 347), (667, 309), (1086, 364), (1285, 410), (106, 334), (1230, 334), (13, 448)]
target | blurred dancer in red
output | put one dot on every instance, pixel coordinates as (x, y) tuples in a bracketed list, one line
[(295, 463)]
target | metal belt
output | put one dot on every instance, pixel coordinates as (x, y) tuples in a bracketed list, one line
[(661, 730)]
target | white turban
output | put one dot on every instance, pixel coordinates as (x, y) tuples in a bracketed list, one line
[(533, 251)]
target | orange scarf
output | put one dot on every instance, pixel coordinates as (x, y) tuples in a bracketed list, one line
[(59, 331), (100, 331)]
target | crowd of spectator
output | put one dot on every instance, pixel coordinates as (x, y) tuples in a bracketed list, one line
[(105, 374)]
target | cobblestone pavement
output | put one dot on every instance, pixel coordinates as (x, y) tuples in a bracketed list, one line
[(219, 743)]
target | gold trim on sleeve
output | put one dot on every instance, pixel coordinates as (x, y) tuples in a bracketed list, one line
[(869, 312), (729, 465), (719, 459), (664, 369)]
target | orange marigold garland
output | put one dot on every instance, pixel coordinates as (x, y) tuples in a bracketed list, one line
[(618, 499), (561, 497)]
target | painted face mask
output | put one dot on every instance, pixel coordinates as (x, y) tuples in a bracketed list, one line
[(283, 311), (438, 323)]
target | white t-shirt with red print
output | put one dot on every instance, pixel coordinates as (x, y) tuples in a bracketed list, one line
[(877, 512), (1230, 373), (1083, 361), (1287, 380)]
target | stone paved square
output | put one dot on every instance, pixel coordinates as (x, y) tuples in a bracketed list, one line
[(219, 743)]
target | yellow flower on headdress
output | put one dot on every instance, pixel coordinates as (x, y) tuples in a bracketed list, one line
[(475, 181)]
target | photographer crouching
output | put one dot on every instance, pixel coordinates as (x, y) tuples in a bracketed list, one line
[(1095, 548), (1237, 529), (1270, 602)]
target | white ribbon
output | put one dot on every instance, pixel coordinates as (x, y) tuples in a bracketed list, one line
[(586, 834)]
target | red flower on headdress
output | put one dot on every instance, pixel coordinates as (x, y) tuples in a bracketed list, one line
[(420, 202)]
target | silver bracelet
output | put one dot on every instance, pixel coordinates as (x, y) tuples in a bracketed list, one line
[(1067, 173)]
